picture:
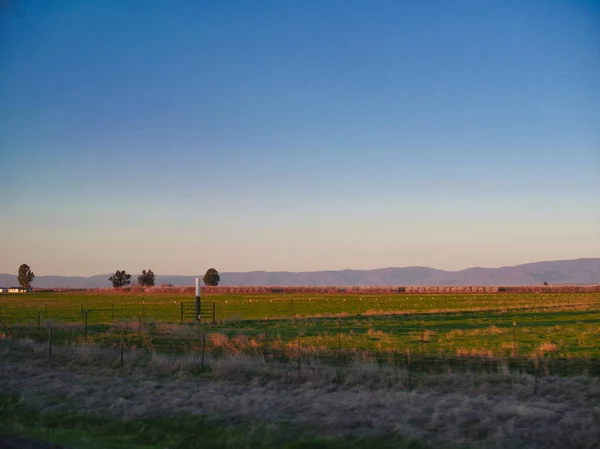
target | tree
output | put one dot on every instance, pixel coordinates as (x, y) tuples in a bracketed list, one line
[(211, 277), (146, 279), (26, 276), (120, 279), (545, 282)]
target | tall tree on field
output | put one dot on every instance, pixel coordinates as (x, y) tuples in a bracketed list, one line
[(146, 279), (211, 277), (26, 276), (120, 279)]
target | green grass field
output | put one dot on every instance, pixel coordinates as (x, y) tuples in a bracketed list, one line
[(67, 307), (563, 325)]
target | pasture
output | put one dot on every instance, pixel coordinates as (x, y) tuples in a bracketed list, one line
[(102, 370), (564, 325)]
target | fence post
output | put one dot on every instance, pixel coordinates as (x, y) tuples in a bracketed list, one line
[(536, 369), (139, 326), (298, 342), (38, 319), (85, 322), (214, 321), (81, 309), (422, 342), (339, 341), (50, 343), (181, 312), (409, 363), (45, 310), (266, 334), (514, 354), (143, 311), (197, 303), (292, 303), (113, 311), (203, 348), (121, 365)]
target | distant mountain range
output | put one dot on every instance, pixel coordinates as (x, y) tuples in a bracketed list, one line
[(579, 271)]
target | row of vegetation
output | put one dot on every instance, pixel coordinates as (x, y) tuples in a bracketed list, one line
[(121, 278), (167, 289)]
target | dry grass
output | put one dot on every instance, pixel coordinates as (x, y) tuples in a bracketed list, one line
[(483, 353), (548, 347), (377, 334), (218, 340), (425, 335), (486, 411)]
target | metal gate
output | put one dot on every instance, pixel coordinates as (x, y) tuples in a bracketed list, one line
[(188, 312)]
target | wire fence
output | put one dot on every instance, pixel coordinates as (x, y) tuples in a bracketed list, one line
[(416, 348), (177, 312), (427, 336)]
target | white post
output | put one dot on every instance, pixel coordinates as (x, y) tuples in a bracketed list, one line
[(197, 298)]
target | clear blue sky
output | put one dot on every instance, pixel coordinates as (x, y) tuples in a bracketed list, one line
[(297, 135)]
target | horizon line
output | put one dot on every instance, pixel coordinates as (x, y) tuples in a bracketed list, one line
[(325, 270)]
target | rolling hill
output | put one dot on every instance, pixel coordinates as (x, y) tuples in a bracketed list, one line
[(578, 271)]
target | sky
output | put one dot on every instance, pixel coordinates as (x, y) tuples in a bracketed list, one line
[(297, 135)]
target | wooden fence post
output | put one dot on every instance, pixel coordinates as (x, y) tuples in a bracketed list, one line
[(339, 341), (266, 341), (298, 342), (409, 366), (514, 354), (203, 349), (121, 364), (422, 343), (536, 369), (50, 343)]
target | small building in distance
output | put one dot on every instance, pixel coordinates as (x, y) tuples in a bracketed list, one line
[(3, 289), (19, 290)]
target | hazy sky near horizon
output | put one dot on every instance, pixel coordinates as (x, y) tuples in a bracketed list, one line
[(297, 135)]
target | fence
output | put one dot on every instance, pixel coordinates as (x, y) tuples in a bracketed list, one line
[(421, 335), (178, 312), (301, 344)]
